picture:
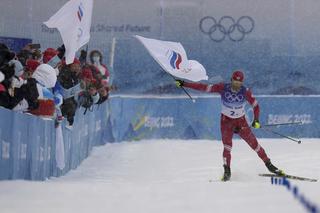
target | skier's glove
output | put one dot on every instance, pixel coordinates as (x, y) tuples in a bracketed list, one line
[(179, 83), (256, 124)]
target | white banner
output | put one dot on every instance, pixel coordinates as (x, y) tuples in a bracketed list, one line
[(60, 155), (73, 21), (173, 59)]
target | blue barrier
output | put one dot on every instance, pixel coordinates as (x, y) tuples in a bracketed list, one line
[(141, 117), (25, 146), (28, 143)]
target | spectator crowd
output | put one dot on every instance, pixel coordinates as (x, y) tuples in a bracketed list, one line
[(41, 83)]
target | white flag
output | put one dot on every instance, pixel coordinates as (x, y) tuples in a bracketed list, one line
[(173, 59), (73, 21)]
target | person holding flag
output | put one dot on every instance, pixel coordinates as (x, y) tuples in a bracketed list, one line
[(234, 97)]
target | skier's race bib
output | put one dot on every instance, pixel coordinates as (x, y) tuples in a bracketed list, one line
[(233, 104)]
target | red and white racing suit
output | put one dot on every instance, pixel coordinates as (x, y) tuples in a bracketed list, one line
[(233, 116)]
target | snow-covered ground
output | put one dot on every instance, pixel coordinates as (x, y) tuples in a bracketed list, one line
[(160, 176)]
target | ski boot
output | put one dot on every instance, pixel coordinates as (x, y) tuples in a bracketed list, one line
[(273, 169), (227, 173)]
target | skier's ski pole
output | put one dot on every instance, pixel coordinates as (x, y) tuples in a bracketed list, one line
[(285, 136), (283, 124)]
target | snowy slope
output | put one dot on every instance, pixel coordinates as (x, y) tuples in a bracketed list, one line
[(171, 176)]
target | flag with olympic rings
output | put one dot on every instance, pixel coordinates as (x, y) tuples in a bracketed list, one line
[(172, 57)]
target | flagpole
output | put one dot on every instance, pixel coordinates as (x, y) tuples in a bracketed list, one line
[(188, 94), (112, 50), (193, 100)]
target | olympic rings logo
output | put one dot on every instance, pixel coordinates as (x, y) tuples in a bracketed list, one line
[(226, 26), (233, 97), (80, 33)]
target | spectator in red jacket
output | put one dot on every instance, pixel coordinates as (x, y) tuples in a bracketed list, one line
[(96, 60)]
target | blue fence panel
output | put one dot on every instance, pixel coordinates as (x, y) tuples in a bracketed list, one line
[(28, 143), (135, 119), (304, 109), (145, 118), (5, 136), (19, 146)]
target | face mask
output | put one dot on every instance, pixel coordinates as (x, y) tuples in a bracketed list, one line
[(96, 59)]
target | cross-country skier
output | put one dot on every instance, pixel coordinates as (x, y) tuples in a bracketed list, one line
[(234, 97)]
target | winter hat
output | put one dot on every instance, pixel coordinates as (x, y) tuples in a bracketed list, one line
[(238, 76), (6, 55), (45, 75), (32, 65), (48, 54), (18, 68), (8, 71), (3, 46)]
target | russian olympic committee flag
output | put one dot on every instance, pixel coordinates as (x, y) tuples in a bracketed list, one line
[(173, 59), (73, 21)]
